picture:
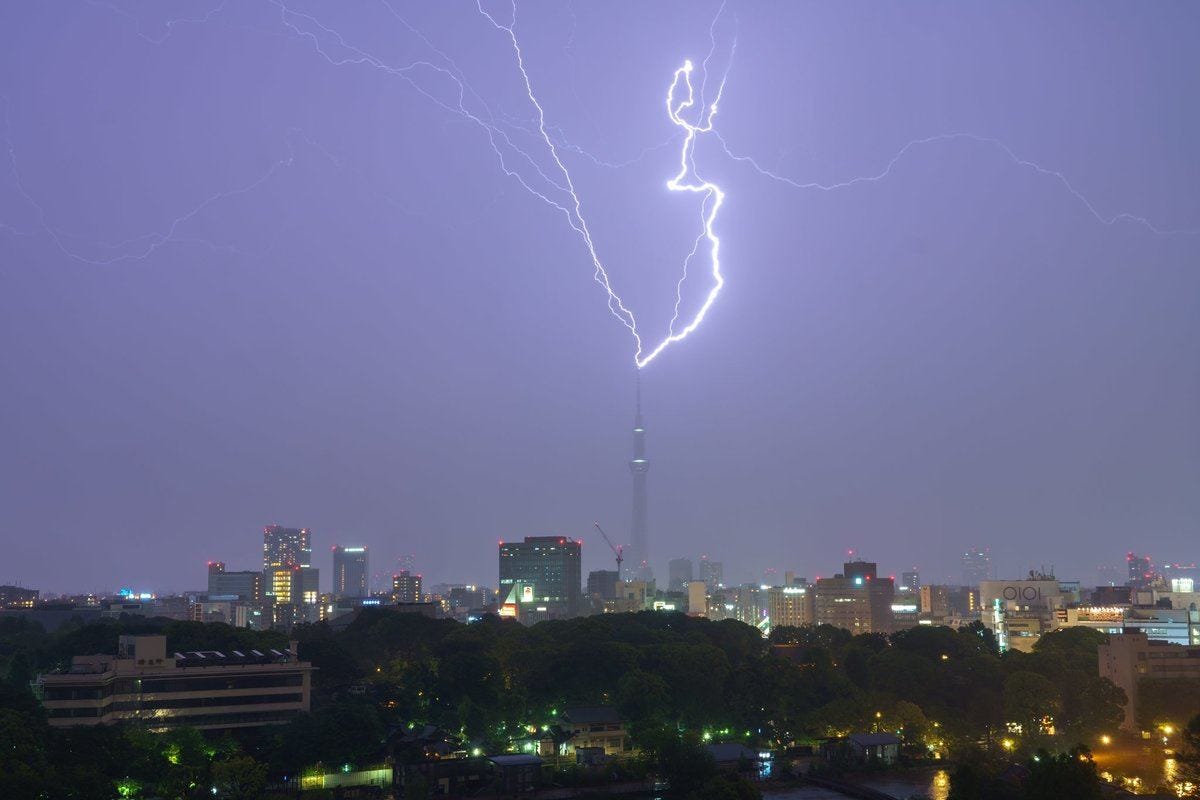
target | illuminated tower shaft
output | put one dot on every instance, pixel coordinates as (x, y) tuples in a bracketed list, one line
[(639, 565)]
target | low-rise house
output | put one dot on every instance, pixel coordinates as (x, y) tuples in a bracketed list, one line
[(863, 748), (594, 727), (734, 757), (515, 774)]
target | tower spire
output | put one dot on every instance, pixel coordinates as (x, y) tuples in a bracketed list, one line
[(639, 565), (638, 382)]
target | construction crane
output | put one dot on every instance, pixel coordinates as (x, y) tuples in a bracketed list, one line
[(618, 550)]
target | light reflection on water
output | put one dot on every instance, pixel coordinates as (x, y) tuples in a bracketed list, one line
[(935, 786)]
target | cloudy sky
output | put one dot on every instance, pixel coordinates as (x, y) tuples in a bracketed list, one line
[(316, 263)]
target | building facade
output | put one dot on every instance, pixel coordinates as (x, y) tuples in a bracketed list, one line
[(17, 597), (791, 606), (286, 547), (406, 588), (350, 571), (206, 690), (1020, 612), (976, 566), (548, 571), (242, 585), (679, 574), (1129, 659), (602, 583), (712, 573), (857, 599)]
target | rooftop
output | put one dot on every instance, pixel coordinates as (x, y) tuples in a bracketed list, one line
[(588, 715)]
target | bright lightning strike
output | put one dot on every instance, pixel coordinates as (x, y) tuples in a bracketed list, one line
[(690, 114), (988, 141), (687, 180)]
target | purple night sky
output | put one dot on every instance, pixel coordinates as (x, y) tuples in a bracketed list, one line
[(256, 267)]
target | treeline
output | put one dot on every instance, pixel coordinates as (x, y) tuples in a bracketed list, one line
[(490, 682)]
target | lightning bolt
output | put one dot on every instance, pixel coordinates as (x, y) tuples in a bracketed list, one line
[(987, 141), (550, 181), (687, 180)]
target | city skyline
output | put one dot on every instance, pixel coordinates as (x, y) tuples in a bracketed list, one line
[(249, 275)]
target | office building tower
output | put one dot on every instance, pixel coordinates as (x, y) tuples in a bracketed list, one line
[(406, 588), (710, 573), (1108, 575), (697, 598), (17, 597), (241, 585), (679, 572), (286, 547), (976, 566), (935, 602), (857, 600), (602, 583), (295, 593), (350, 572), (546, 570), (1139, 570), (910, 580), (791, 606), (638, 563)]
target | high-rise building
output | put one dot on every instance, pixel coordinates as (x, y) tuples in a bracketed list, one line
[(350, 571), (976, 566), (1107, 575), (286, 547), (244, 585), (711, 574), (639, 561), (406, 588), (305, 586), (602, 583), (910, 579), (857, 600), (697, 598), (790, 606), (1140, 571), (679, 572), (547, 571), (17, 597), (295, 591), (935, 601)]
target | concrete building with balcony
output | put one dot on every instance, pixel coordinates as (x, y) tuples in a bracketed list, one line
[(1131, 659), (208, 690)]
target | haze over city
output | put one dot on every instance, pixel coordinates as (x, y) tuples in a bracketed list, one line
[(256, 267)]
